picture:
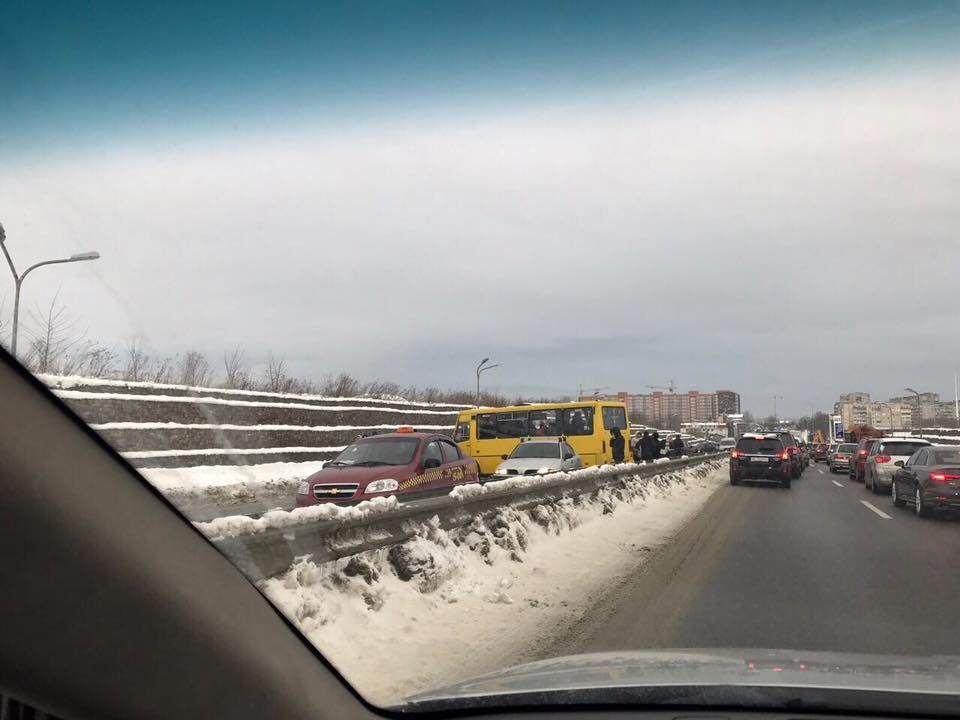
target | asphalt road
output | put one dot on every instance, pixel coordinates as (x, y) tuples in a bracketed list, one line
[(810, 568)]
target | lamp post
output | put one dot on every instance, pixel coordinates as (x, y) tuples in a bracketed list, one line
[(775, 421), (19, 278), (483, 367), (919, 411)]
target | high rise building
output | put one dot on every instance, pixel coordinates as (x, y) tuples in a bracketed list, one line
[(662, 409)]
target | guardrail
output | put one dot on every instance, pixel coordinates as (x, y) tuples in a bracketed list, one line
[(271, 552)]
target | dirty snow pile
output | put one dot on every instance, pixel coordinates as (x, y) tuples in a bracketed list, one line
[(448, 605), (232, 526), (238, 481)]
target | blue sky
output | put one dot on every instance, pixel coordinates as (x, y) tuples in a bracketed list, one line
[(79, 72), (595, 193)]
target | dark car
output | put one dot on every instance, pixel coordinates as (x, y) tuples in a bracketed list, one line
[(820, 452), (840, 458), (403, 463), (860, 458), (792, 448), (761, 456), (929, 480)]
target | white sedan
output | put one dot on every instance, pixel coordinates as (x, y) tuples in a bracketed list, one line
[(539, 456)]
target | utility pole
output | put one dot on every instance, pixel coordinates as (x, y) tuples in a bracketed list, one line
[(19, 278), (775, 419)]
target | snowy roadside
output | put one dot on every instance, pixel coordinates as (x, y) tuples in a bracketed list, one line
[(451, 605), (209, 491)]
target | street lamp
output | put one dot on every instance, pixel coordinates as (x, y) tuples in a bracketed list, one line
[(19, 278), (483, 367), (919, 411), (775, 398)]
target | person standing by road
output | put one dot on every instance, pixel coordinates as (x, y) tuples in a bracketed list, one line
[(676, 446), (655, 446), (617, 444), (646, 447)]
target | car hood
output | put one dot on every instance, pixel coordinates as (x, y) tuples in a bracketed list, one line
[(346, 474), (523, 464), (740, 677)]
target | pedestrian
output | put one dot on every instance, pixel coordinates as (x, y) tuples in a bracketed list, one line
[(676, 446), (646, 447), (617, 445), (655, 446)]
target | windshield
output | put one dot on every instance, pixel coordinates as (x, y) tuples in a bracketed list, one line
[(536, 450), (392, 451), (315, 269)]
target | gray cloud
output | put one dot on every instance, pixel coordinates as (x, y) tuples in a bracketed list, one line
[(733, 239)]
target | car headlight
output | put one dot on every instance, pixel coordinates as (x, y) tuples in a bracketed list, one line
[(303, 488), (546, 470), (500, 471), (385, 485)]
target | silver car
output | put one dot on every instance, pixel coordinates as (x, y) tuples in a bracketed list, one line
[(885, 458), (539, 456)]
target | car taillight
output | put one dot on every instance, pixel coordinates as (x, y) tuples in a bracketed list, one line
[(883, 458), (794, 449), (785, 455), (735, 453), (863, 453), (943, 477)]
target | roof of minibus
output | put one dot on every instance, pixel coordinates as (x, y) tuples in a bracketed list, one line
[(543, 406)]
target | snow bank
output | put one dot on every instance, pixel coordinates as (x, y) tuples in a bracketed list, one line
[(255, 428), (66, 382), (198, 479), (209, 400), (141, 454), (446, 606), (235, 525)]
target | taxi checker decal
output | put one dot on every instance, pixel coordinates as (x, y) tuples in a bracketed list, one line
[(456, 474)]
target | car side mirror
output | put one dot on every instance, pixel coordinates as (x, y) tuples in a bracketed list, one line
[(431, 463), (899, 463), (568, 456), (504, 457)]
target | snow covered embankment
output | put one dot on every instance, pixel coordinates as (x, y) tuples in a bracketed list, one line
[(449, 605)]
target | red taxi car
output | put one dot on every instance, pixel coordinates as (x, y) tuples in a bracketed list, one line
[(402, 463)]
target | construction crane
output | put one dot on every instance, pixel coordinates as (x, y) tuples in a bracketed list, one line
[(593, 392), (672, 388)]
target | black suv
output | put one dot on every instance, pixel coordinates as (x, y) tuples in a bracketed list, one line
[(790, 444), (762, 456)]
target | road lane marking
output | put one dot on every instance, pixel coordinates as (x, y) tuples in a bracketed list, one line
[(879, 512), (837, 483), (820, 471)]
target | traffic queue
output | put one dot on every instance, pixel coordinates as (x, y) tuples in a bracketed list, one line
[(523, 440)]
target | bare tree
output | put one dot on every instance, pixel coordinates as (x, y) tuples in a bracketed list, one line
[(276, 378), (237, 375), (163, 371), (99, 362), (136, 362), (55, 344), (193, 370), (343, 385)]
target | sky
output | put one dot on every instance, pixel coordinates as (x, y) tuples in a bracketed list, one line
[(754, 196)]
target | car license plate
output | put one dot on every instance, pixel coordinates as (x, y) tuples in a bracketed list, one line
[(758, 460)]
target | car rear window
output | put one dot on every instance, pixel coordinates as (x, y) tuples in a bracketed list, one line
[(760, 446), (946, 457), (900, 448), (846, 448)]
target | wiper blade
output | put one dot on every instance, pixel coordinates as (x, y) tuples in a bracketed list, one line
[(368, 463), (336, 462)]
